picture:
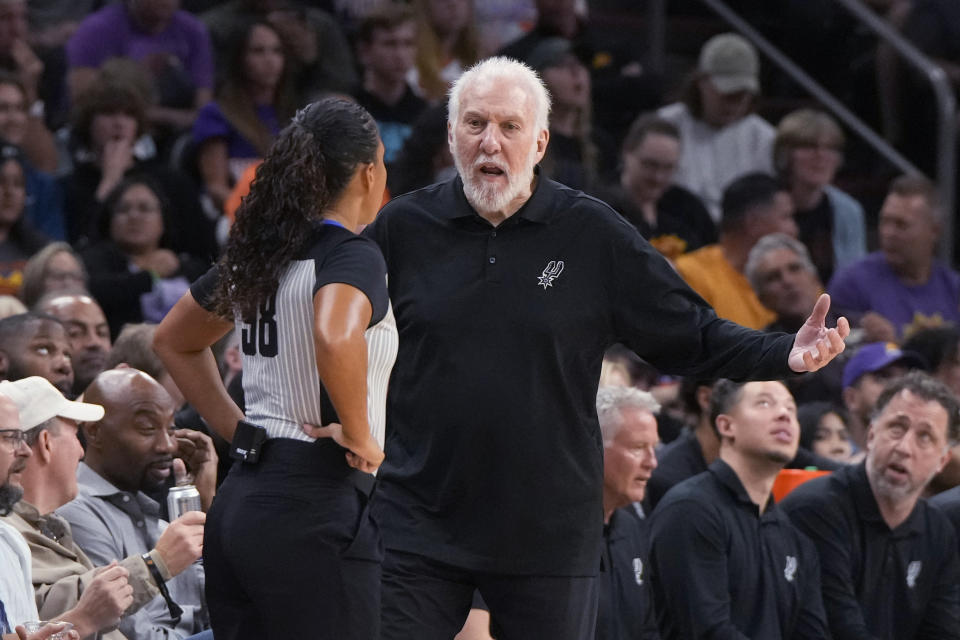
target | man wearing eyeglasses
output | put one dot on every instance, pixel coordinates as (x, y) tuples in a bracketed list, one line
[(16, 591), (67, 585)]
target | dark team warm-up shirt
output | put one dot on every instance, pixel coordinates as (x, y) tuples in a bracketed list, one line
[(494, 455), (721, 569), (949, 502), (902, 584), (625, 608), (683, 458)]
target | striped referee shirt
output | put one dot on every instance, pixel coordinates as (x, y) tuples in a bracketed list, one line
[(281, 385)]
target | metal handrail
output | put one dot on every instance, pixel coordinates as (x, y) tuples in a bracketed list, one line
[(946, 104), (946, 111)]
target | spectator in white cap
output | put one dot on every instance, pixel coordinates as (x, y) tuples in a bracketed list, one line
[(63, 577), (49, 425), (721, 138), (17, 604)]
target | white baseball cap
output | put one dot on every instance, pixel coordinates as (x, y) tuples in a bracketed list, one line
[(37, 401)]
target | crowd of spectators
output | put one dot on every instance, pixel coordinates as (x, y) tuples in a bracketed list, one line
[(131, 130)]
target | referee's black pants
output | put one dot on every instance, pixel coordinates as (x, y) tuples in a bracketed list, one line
[(290, 549), (428, 600)]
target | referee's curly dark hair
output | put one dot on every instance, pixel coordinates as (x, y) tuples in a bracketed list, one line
[(307, 169)]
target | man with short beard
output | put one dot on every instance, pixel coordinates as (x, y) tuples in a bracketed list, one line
[(726, 561), (67, 585), (890, 562), (507, 289), (131, 449)]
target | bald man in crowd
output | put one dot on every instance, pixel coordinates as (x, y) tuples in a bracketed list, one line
[(63, 576), (95, 600), (129, 451)]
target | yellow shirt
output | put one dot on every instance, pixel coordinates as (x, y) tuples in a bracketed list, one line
[(727, 290)]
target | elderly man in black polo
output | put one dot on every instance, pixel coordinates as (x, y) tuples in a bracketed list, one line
[(628, 423), (507, 288)]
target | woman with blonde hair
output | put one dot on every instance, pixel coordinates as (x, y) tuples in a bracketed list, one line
[(807, 153), (56, 267)]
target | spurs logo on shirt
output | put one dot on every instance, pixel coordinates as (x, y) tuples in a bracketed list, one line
[(638, 570), (551, 273), (790, 570), (913, 572)]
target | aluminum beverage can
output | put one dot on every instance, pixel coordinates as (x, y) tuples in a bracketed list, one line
[(181, 499)]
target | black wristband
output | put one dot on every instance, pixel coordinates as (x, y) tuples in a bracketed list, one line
[(175, 611)]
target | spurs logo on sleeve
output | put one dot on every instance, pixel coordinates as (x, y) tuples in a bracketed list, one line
[(913, 572), (638, 570), (790, 570), (551, 273)]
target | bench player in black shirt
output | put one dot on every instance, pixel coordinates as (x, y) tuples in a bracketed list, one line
[(889, 560), (629, 427), (727, 562)]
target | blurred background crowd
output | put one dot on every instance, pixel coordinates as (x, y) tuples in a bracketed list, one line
[(131, 130)]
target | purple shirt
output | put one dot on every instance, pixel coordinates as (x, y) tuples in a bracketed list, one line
[(871, 285), (110, 33), (211, 123)]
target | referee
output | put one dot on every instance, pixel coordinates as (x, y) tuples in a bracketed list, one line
[(508, 288), (290, 549)]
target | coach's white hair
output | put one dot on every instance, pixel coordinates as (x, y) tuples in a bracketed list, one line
[(612, 400), (503, 69)]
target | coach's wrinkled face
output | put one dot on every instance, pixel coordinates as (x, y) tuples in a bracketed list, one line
[(496, 144)]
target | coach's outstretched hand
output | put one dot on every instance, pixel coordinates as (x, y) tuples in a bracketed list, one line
[(815, 345)]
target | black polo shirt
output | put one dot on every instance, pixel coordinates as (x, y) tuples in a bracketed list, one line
[(625, 610), (677, 461), (683, 458), (949, 502), (494, 460), (900, 584), (721, 569)]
